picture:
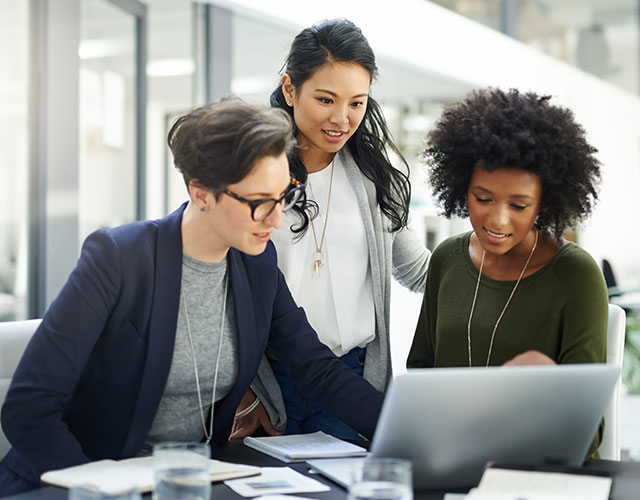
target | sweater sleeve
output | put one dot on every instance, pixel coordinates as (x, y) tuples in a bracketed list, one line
[(584, 332)]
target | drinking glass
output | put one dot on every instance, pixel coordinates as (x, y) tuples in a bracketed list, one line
[(88, 492), (181, 471), (382, 479)]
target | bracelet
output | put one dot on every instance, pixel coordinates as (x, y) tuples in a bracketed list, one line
[(247, 410)]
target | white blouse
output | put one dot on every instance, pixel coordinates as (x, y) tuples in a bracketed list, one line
[(338, 300)]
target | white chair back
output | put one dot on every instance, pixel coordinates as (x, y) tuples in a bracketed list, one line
[(14, 337), (610, 446)]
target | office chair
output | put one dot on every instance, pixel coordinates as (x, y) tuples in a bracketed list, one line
[(625, 295), (609, 277), (14, 337), (610, 446)]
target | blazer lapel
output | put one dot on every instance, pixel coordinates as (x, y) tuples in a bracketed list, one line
[(162, 329), (245, 313)]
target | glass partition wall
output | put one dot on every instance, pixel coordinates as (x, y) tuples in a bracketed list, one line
[(107, 106), (184, 52), (14, 159)]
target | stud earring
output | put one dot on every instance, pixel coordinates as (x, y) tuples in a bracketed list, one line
[(202, 209)]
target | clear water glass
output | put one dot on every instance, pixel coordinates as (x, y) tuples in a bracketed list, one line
[(181, 471), (382, 479), (88, 492)]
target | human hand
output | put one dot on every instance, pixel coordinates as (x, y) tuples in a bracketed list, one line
[(247, 425), (528, 358)]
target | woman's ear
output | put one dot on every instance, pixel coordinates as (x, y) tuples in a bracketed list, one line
[(288, 90), (199, 195)]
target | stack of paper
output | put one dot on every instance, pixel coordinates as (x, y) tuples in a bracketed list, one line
[(113, 477), (301, 447), (505, 484)]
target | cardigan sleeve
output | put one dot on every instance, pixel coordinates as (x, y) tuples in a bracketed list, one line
[(267, 389), (410, 260)]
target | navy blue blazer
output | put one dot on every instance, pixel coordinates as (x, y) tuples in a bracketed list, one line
[(90, 381)]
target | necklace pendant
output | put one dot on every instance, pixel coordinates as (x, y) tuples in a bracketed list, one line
[(317, 263)]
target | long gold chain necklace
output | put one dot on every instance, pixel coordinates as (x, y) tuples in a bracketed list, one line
[(318, 255), (475, 295)]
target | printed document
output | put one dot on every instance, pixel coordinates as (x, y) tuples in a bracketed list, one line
[(506, 484), (276, 481)]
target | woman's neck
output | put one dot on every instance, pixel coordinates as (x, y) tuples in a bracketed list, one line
[(316, 160), (199, 240), (508, 267)]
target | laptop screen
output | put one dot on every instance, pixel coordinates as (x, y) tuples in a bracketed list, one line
[(451, 421)]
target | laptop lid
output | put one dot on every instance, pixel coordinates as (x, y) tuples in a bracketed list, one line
[(451, 421)]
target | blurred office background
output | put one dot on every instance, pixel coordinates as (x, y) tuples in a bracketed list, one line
[(88, 89)]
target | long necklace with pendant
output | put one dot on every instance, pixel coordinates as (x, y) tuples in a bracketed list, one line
[(318, 255)]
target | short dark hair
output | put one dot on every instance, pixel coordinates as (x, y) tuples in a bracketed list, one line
[(491, 129), (334, 41), (218, 144)]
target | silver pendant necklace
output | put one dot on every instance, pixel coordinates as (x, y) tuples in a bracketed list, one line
[(208, 435), (318, 255), (475, 295)]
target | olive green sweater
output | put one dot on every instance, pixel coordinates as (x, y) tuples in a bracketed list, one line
[(561, 310)]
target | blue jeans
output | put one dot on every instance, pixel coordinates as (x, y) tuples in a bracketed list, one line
[(303, 416)]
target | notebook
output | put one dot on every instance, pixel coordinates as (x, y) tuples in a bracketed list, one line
[(117, 476), (301, 447), (451, 421)]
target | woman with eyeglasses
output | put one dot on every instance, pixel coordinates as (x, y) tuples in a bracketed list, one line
[(338, 257), (162, 322)]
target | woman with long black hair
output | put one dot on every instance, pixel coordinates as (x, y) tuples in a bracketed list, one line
[(339, 255)]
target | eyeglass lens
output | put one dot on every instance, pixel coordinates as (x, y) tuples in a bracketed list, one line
[(263, 210)]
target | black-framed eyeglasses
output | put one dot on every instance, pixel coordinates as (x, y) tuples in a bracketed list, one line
[(261, 209)]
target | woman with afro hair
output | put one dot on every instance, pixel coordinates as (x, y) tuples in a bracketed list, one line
[(512, 290)]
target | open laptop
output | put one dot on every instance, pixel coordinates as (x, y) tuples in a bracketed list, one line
[(450, 421)]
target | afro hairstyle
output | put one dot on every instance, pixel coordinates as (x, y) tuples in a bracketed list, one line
[(493, 129)]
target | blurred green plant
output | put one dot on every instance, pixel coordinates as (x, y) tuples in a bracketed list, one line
[(631, 362)]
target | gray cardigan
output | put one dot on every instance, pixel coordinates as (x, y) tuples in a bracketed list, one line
[(398, 253)]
